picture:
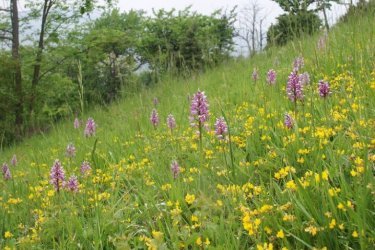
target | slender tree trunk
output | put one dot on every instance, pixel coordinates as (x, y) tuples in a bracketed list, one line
[(325, 18), (38, 60), (260, 35), (253, 34), (17, 69)]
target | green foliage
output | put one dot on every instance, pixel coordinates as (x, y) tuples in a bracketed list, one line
[(60, 98), (362, 8), (291, 26), (7, 100), (118, 44), (112, 54), (187, 41), (295, 6)]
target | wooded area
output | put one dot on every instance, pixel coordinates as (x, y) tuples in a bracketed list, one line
[(70, 60)]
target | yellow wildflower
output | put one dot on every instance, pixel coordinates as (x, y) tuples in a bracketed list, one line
[(280, 234), (291, 185), (158, 236), (312, 230), (267, 230), (194, 218), (355, 234), (207, 242), (332, 224), (341, 206), (190, 198), (166, 187), (219, 203), (8, 234), (265, 246), (199, 241)]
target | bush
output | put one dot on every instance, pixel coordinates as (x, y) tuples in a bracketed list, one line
[(7, 100), (58, 97), (187, 41), (290, 26)]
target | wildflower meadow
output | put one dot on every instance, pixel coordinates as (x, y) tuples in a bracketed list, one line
[(272, 152)]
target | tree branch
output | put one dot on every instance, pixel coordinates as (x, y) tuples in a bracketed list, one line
[(139, 66), (6, 37), (6, 31)]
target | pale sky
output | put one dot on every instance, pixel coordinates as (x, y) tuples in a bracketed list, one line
[(202, 6), (271, 8)]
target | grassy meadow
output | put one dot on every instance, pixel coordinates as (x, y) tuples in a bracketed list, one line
[(264, 186)]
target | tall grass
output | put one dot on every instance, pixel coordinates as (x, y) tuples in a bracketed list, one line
[(303, 188)]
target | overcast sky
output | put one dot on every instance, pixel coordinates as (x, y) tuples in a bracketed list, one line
[(269, 7), (202, 6)]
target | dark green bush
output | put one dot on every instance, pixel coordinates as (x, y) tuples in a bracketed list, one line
[(291, 26), (7, 100), (57, 98)]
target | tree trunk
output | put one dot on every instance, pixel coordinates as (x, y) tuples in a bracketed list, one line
[(38, 60), (261, 35), (253, 35), (325, 18), (17, 67)]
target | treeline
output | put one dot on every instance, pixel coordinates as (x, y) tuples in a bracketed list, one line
[(70, 62)]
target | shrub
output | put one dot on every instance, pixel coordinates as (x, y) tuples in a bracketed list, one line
[(290, 26)]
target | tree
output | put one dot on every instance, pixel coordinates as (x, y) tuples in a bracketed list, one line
[(112, 45), (250, 31), (12, 34), (187, 41), (47, 5), (54, 17), (295, 6), (298, 6), (298, 21), (323, 5), (17, 65)]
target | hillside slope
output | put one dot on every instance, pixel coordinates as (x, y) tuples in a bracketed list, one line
[(263, 186)]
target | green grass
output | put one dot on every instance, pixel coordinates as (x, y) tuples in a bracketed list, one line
[(130, 199)]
